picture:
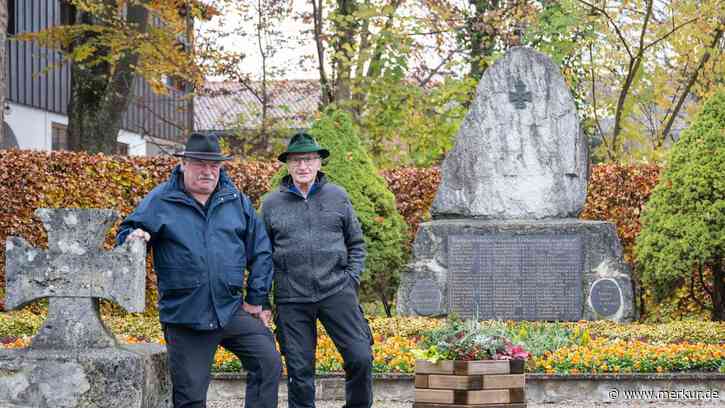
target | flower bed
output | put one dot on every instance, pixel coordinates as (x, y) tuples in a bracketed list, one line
[(577, 347), (629, 356)]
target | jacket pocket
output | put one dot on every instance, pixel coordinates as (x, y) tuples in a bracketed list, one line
[(176, 279), (342, 259), (331, 217), (234, 278)]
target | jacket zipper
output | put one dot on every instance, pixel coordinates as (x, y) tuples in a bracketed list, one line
[(315, 285), (207, 217), (214, 205)]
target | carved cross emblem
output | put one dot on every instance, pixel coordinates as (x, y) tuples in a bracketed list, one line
[(520, 96), (74, 273)]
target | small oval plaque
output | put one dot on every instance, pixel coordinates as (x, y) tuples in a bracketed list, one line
[(606, 297), (426, 297)]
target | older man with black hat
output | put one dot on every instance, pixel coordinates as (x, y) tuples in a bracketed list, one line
[(205, 233), (319, 254)]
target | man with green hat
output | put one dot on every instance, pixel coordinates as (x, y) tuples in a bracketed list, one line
[(318, 254)]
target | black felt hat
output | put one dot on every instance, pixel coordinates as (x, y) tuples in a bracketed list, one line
[(203, 147)]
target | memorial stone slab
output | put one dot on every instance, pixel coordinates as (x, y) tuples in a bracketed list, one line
[(506, 277), (520, 152), (535, 269)]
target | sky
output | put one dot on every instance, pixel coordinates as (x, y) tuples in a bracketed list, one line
[(287, 56)]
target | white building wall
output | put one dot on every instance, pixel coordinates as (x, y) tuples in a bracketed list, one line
[(136, 144), (32, 128)]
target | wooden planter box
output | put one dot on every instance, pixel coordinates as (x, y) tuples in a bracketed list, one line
[(468, 384)]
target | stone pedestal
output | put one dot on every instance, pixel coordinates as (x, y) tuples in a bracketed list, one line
[(560, 269), (133, 376)]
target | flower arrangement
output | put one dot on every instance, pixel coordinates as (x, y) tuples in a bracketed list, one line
[(467, 341)]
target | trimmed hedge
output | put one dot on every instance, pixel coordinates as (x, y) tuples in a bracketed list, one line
[(618, 194), (30, 180), (414, 188)]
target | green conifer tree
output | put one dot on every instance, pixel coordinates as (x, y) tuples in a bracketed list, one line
[(683, 225)]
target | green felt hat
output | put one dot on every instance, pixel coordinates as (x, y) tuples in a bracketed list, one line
[(302, 142)]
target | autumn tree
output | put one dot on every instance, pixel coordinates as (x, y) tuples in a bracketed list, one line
[(648, 60), (373, 60), (109, 43), (257, 71)]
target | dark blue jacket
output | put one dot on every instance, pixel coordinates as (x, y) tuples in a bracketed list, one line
[(200, 258)]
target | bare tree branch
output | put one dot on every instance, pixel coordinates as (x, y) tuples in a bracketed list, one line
[(702, 281), (614, 25), (694, 296), (690, 82), (435, 70), (632, 70), (669, 33), (594, 96), (326, 92)]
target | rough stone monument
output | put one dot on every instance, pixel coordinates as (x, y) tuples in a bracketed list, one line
[(74, 360), (504, 242)]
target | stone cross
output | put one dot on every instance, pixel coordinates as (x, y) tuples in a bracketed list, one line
[(73, 274), (521, 96)]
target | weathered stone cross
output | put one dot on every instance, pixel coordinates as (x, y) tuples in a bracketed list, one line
[(521, 96), (74, 273)]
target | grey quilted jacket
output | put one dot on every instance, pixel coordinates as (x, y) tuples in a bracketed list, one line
[(317, 242)]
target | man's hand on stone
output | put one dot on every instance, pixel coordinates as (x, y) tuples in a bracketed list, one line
[(139, 234)]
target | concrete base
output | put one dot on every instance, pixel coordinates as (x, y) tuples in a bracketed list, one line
[(603, 259), (132, 376), (540, 388)]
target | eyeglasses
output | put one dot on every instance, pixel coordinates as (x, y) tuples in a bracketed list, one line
[(204, 163), (308, 160)]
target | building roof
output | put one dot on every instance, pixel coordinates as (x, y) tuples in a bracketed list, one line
[(225, 105)]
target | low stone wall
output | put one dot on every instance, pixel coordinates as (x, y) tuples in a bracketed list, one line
[(540, 388)]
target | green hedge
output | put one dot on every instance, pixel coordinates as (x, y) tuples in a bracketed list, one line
[(65, 179)]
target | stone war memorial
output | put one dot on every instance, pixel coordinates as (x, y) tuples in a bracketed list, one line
[(505, 242), (74, 360)]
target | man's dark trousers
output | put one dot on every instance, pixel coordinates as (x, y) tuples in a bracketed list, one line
[(191, 353), (344, 322)]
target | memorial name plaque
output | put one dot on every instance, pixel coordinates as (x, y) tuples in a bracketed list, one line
[(533, 277), (426, 297), (606, 297)]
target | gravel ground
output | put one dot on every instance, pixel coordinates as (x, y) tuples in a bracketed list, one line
[(238, 403)]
